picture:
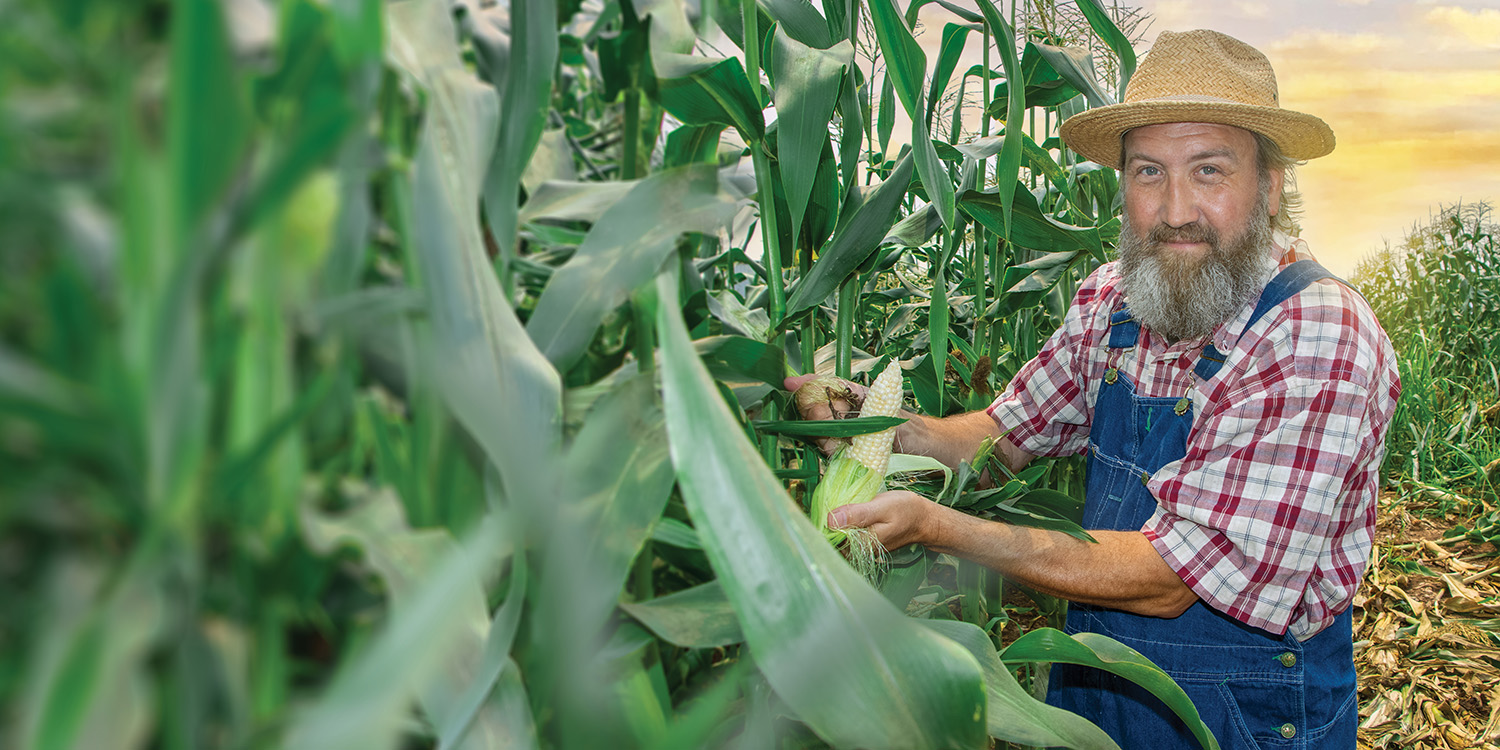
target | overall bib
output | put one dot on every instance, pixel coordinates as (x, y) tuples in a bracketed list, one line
[(1252, 688)]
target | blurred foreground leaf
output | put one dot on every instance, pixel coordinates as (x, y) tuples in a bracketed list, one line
[(855, 669)]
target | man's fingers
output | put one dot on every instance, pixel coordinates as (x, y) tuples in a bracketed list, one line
[(834, 405), (796, 381), (838, 518)]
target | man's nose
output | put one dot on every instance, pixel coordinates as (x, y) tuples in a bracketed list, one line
[(1180, 206)]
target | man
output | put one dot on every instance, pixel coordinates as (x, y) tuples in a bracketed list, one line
[(1233, 404)]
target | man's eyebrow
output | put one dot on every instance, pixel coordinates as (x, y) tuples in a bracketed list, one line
[(1213, 153)]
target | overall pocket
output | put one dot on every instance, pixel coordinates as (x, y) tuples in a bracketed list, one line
[(1258, 713)]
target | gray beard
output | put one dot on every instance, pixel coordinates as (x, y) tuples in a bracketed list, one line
[(1187, 298)]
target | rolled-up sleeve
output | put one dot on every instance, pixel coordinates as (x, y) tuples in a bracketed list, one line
[(1247, 514), (1047, 407)]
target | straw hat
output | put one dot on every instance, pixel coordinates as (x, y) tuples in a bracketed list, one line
[(1199, 76)]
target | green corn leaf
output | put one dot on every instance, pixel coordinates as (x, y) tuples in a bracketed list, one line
[(574, 201), (1076, 66), (524, 103), (87, 684), (707, 90), (1037, 158), (854, 116), (905, 61), (938, 316), (698, 617), (1115, 39), (429, 648), (208, 109), (916, 229), (962, 12), (907, 69), (1015, 716), (1027, 284), (1036, 520), (853, 668), (624, 250), (1032, 228), (1100, 652), (738, 319), (616, 491), (730, 357), (241, 466), (671, 531), (827, 427), (885, 115), (807, 89), (698, 726), (799, 20), (690, 144), (1057, 503), (477, 343), (853, 243), (498, 674), (1009, 164), (954, 37)]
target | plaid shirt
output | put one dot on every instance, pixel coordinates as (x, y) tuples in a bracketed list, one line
[(1271, 514)]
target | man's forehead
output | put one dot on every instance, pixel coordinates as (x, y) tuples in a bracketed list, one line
[(1174, 137)]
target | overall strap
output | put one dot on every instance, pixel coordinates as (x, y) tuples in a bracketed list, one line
[(1124, 331), (1292, 279)]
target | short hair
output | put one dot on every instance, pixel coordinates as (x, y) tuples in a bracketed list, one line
[(1269, 156)]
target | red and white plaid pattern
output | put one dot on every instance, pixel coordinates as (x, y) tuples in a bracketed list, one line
[(1271, 514)]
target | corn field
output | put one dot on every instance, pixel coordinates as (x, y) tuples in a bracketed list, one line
[(409, 374), (1431, 598)]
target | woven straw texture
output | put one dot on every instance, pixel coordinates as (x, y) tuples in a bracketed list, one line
[(1199, 76)]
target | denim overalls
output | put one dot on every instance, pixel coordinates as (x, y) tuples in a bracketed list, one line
[(1252, 688)]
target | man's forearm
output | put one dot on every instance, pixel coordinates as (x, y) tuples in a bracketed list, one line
[(1122, 570), (956, 438)]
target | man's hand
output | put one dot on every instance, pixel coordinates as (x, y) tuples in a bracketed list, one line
[(897, 517), (838, 404), (1122, 570)]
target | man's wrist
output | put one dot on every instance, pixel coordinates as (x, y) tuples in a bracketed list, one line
[(909, 434)]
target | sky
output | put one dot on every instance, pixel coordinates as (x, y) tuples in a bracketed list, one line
[(1411, 89)]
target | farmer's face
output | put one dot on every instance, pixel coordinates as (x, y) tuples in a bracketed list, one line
[(1195, 236), (1187, 181)]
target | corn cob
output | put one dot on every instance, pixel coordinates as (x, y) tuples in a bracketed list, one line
[(873, 449), (856, 474)]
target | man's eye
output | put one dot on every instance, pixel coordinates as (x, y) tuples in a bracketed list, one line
[(1207, 169), (1149, 171)]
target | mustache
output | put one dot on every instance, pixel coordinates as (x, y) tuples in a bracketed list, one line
[(1186, 233)]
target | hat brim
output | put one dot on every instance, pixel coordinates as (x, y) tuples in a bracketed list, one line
[(1095, 133)]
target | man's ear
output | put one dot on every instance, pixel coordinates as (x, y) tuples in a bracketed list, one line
[(1278, 177)]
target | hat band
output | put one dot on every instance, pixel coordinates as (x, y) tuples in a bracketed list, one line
[(1193, 98)]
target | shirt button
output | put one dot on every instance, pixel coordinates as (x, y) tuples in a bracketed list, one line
[(1288, 731), (1288, 660)]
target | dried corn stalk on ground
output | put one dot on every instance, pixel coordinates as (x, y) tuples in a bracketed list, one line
[(1427, 630)]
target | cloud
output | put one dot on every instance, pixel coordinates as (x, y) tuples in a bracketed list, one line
[(1331, 45), (1414, 104), (1176, 15), (1252, 9), (1460, 28)]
